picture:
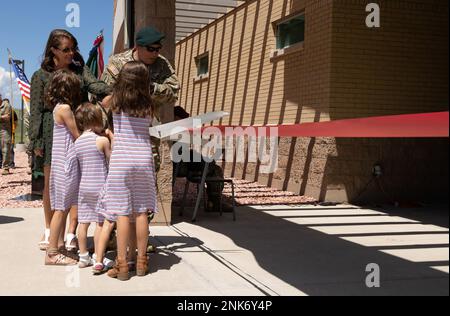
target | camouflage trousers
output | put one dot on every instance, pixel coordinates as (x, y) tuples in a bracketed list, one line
[(5, 140), (214, 189), (156, 143)]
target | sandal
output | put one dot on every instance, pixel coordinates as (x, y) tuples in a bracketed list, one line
[(59, 259), (43, 245), (71, 243), (102, 267), (85, 261), (98, 268), (120, 271), (142, 266)]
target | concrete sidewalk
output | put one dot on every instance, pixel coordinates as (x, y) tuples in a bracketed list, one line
[(276, 250)]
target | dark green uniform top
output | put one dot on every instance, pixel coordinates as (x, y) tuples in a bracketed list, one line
[(41, 119)]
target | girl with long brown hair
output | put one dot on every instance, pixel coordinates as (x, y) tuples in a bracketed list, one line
[(130, 190)]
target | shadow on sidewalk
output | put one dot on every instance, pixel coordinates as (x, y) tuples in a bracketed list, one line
[(319, 263), (164, 258), (10, 220)]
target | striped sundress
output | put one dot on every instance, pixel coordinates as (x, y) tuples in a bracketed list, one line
[(130, 186), (64, 174), (94, 170)]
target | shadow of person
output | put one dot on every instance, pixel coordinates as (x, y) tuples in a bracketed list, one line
[(165, 257), (162, 259), (10, 220)]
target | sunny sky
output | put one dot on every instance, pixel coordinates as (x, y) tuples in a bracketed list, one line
[(25, 26)]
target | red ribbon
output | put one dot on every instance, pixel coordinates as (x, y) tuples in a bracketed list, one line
[(402, 126)]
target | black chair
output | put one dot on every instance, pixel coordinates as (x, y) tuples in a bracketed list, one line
[(200, 177)]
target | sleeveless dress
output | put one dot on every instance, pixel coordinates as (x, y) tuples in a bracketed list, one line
[(94, 170), (64, 174), (131, 183)]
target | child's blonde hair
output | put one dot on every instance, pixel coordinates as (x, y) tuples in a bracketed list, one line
[(90, 116)]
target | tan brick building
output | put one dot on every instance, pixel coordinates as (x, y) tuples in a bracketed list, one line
[(341, 69)]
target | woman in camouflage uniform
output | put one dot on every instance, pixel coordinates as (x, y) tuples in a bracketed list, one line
[(61, 52)]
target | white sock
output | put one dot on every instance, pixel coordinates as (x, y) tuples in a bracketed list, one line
[(47, 234), (85, 257), (70, 237)]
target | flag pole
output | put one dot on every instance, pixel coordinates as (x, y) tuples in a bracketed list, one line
[(22, 109), (10, 77), (13, 123)]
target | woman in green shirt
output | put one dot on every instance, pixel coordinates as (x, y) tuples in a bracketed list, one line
[(61, 52)]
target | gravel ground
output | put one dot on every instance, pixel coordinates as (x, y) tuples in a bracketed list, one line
[(17, 184), (252, 193), (246, 193)]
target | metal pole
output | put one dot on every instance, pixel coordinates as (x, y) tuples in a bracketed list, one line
[(11, 87), (22, 108), (12, 100)]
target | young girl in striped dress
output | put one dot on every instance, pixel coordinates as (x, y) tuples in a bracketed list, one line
[(130, 190), (93, 151), (63, 93)]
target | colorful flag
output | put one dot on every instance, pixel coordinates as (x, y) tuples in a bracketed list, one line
[(95, 61), (24, 84)]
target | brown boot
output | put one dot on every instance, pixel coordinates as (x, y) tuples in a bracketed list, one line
[(119, 271), (142, 266)]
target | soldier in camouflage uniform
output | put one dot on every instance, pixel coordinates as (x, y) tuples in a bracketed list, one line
[(165, 84), (5, 133)]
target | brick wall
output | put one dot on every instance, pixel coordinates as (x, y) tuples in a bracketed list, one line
[(401, 67), (344, 70)]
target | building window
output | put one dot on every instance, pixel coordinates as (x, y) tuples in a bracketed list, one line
[(290, 32), (131, 20), (202, 63)]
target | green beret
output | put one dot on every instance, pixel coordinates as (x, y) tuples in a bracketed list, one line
[(148, 36)]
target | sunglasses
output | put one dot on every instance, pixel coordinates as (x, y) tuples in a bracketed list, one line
[(152, 49), (67, 50)]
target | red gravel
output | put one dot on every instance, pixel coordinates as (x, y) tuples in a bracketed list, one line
[(17, 184), (246, 193)]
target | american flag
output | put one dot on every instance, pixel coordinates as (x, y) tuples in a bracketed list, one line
[(24, 84)]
